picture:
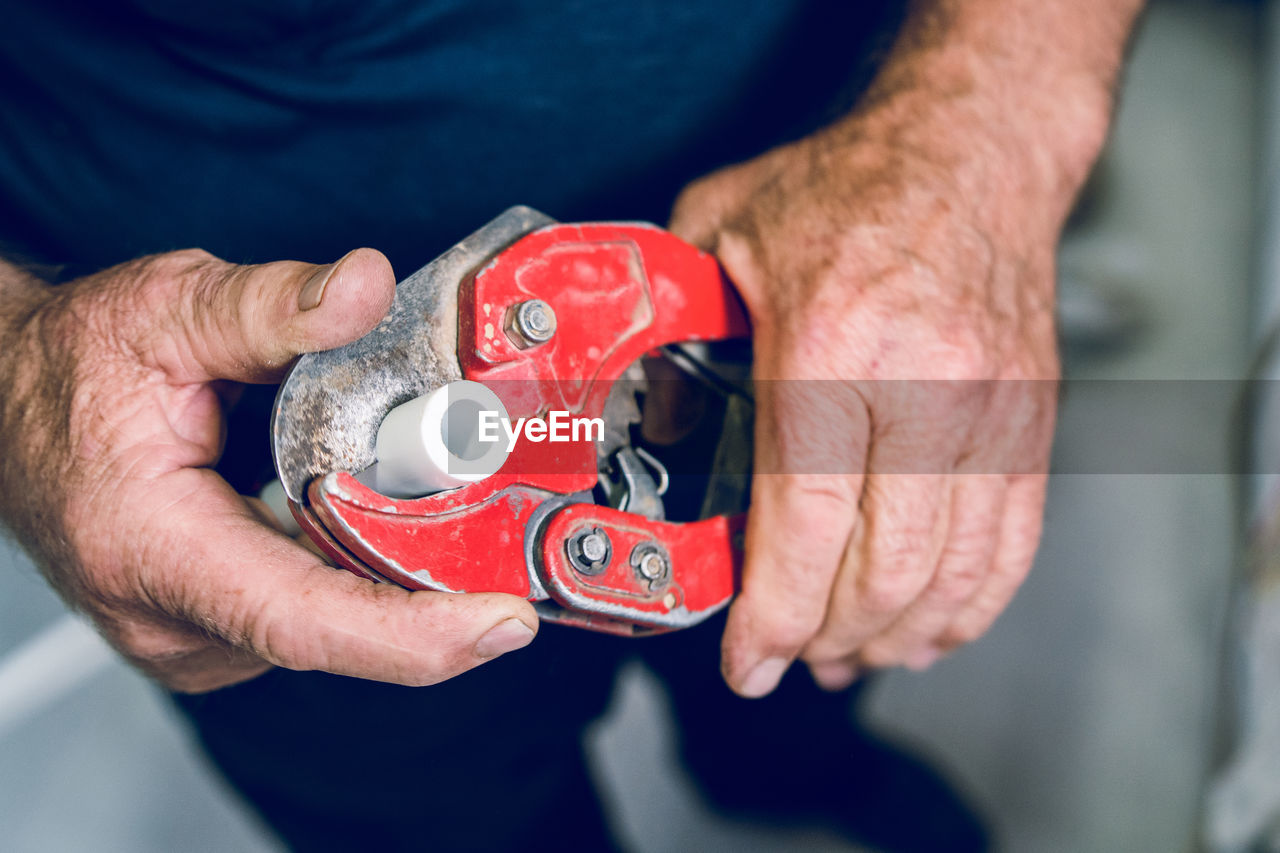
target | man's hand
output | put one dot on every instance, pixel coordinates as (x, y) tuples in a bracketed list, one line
[(109, 424), (898, 269), (892, 517)]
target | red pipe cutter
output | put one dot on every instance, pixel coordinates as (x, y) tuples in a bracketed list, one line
[(550, 317)]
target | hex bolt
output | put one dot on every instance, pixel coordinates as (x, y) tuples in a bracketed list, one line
[(530, 323), (589, 551), (651, 563)]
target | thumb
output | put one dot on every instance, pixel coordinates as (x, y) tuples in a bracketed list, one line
[(247, 323), (262, 593)]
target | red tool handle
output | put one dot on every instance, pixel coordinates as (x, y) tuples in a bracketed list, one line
[(617, 291)]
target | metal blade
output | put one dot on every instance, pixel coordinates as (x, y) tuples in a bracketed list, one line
[(328, 410)]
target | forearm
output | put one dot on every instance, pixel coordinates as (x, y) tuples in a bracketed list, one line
[(20, 292), (32, 415), (1008, 100)]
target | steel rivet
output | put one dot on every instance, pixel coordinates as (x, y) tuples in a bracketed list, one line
[(651, 563), (589, 551)]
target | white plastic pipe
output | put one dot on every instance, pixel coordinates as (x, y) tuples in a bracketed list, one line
[(432, 442)]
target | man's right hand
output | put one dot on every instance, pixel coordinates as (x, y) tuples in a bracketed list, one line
[(109, 424)]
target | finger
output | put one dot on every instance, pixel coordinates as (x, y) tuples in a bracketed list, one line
[(262, 593), (699, 211), (798, 528), (247, 323), (213, 667), (977, 508), (904, 524), (263, 512), (268, 515), (307, 542), (1019, 538)]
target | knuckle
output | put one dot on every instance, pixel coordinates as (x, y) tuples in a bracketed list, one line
[(962, 355), (182, 280), (157, 279), (695, 194), (820, 329), (131, 306), (799, 421), (823, 506), (192, 257), (780, 627), (956, 583), (179, 264), (268, 632), (389, 646), (956, 590), (954, 345), (887, 592), (808, 536)]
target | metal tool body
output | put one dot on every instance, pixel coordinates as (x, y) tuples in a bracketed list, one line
[(549, 316)]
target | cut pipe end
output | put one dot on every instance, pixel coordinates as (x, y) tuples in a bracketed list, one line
[(433, 442)]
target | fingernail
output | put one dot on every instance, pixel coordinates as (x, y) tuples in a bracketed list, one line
[(922, 659), (507, 636), (834, 676), (313, 291), (761, 680)]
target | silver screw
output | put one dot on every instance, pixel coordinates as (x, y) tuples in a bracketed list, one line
[(590, 551), (532, 322)]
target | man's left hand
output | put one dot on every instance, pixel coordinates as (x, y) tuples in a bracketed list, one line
[(905, 366)]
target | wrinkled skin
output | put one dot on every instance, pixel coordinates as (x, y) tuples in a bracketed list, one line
[(110, 428), (905, 252), (891, 520)]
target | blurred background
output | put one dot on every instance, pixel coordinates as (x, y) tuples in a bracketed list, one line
[(1100, 713)]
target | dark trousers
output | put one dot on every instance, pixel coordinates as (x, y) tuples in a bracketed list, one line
[(493, 759)]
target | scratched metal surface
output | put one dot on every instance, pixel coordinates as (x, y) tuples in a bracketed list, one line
[(327, 413)]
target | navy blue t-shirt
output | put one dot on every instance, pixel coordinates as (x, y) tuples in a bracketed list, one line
[(262, 130), (302, 128)]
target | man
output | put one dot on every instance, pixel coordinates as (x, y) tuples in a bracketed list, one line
[(911, 237)]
